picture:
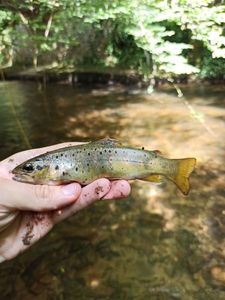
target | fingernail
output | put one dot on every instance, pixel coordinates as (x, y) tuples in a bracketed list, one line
[(70, 189)]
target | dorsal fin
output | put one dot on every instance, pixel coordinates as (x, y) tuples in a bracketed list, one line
[(157, 152), (108, 141)]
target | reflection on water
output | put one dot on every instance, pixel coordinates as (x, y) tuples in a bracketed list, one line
[(155, 245)]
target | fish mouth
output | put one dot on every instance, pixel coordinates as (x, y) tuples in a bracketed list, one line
[(22, 178), (20, 175), (18, 170)]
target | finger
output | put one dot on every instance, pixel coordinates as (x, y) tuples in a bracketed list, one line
[(119, 189), (16, 195), (90, 193)]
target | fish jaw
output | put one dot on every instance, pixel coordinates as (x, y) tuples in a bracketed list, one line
[(23, 178)]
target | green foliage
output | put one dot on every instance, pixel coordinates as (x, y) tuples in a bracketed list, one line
[(5, 39), (151, 37), (213, 68)]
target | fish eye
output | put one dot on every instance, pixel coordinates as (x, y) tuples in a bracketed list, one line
[(28, 168)]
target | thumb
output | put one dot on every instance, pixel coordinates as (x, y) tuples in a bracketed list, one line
[(16, 195)]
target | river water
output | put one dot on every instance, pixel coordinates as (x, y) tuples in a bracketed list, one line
[(157, 244)]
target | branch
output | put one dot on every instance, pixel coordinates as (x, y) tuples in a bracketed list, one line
[(22, 17), (47, 30)]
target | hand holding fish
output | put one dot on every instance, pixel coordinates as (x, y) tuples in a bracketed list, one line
[(28, 212)]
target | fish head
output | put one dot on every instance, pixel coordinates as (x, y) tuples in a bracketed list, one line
[(32, 171)]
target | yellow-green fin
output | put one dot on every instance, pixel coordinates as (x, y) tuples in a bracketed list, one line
[(153, 178), (184, 169)]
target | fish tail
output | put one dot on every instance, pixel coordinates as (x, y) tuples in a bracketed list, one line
[(184, 168)]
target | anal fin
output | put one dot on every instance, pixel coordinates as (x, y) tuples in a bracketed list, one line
[(154, 178)]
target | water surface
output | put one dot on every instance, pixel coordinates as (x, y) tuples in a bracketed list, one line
[(155, 245)]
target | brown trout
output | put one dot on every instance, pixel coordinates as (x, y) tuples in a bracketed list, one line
[(104, 158)]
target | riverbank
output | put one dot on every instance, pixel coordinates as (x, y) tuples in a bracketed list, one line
[(93, 75)]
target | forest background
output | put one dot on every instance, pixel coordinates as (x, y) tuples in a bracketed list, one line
[(157, 39)]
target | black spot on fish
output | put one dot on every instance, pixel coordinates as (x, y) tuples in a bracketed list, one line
[(143, 148), (39, 167), (76, 169), (61, 154), (87, 165), (56, 156), (115, 151), (56, 167), (105, 150), (110, 151), (89, 153), (73, 154), (65, 155), (100, 152)]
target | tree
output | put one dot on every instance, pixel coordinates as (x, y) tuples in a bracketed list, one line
[(155, 38)]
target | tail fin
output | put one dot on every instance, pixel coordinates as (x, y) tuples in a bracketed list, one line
[(184, 169)]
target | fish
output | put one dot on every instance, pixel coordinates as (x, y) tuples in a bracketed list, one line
[(105, 158)]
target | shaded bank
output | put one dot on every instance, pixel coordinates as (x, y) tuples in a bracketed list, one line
[(154, 38), (73, 77), (92, 76)]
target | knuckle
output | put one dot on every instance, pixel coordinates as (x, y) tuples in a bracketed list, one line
[(41, 192), (46, 197), (105, 183), (43, 197)]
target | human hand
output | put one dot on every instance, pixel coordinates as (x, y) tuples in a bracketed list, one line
[(28, 212)]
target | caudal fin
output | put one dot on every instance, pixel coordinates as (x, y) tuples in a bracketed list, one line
[(184, 169)]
